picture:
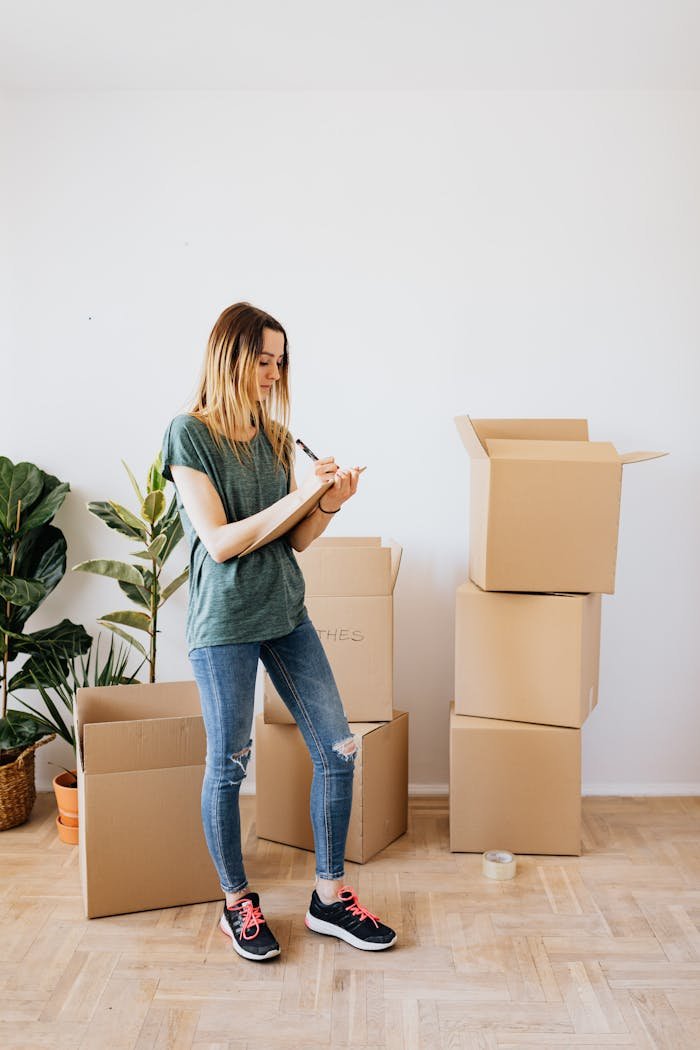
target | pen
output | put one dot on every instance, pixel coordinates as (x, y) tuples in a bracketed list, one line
[(306, 449), (313, 455)]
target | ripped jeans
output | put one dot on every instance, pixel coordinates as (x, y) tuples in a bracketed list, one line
[(299, 670)]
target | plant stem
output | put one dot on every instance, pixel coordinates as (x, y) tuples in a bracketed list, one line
[(8, 603), (154, 619)]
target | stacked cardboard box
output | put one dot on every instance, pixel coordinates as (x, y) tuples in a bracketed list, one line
[(349, 595), (544, 518)]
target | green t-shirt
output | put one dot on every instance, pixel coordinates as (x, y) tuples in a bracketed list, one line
[(250, 599)]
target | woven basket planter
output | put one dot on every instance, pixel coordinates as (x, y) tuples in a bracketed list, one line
[(17, 788)]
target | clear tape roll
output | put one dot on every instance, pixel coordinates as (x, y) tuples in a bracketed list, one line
[(498, 864)]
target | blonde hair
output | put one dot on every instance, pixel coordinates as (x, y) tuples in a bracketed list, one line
[(225, 397)]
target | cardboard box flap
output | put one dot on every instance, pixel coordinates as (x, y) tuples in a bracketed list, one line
[(476, 433), (470, 438), (396, 552), (559, 451), (126, 703), (151, 743), (362, 729), (639, 457), (350, 568), (531, 429), (348, 541)]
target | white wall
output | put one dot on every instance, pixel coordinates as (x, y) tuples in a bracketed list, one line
[(498, 253)]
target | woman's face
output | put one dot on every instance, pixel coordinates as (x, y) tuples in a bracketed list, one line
[(270, 361)]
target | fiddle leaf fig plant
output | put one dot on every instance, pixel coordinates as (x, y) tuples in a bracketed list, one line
[(32, 562), (158, 531)]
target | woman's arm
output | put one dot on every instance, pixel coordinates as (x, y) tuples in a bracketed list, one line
[(222, 539), (311, 527)]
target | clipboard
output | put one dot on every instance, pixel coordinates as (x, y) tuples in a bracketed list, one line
[(287, 519)]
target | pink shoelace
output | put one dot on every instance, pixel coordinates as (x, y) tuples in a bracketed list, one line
[(252, 916), (347, 894)]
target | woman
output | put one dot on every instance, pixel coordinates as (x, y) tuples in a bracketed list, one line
[(231, 460)]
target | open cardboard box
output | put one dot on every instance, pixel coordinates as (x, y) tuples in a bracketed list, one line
[(349, 596), (514, 786), (526, 657), (545, 504), (283, 773), (140, 759)]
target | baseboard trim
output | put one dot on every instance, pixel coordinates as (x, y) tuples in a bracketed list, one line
[(625, 790), (665, 788)]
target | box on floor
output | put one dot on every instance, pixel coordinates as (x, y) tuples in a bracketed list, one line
[(140, 760), (349, 596), (544, 505), (514, 786), (283, 773), (526, 657)]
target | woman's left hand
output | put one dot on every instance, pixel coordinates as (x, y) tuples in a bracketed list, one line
[(344, 486)]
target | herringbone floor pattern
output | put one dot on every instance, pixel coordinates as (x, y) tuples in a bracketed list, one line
[(597, 951)]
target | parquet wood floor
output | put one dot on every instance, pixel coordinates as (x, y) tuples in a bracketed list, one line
[(596, 951)]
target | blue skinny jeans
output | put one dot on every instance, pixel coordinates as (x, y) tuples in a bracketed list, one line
[(299, 670)]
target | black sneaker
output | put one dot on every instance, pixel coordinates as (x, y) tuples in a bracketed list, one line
[(347, 919), (243, 922)]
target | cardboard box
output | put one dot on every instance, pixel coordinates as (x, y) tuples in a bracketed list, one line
[(349, 596), (140, 760), (526, 657), (514, 786), (283, 772), (544, 506)]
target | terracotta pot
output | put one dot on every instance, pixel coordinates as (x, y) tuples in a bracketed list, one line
[(66, 799), (66, 833)]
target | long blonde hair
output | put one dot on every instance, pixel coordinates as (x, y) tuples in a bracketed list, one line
[(225, 399)]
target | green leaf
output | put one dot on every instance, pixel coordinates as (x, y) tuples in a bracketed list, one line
[(61, 642), (41, 555), (113, 670), (55, 721), (153, 506), (156, 481), (171, 526), (140, 595), (24, 482), (154, 550), (46, 509), (134, 483), (18, 729), (128, 518), (39, 668), (130, 617), (124, 634), (106, 513), (172, 587), (116, 570), (21, 592)]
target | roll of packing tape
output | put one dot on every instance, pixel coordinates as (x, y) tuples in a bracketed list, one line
[(498, 864)]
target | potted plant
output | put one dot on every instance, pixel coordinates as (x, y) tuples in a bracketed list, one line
[(158, 530), (32, 563), (59, 700)]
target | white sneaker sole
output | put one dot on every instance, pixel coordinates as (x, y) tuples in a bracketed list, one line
[(331, 930), (223, 926)]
